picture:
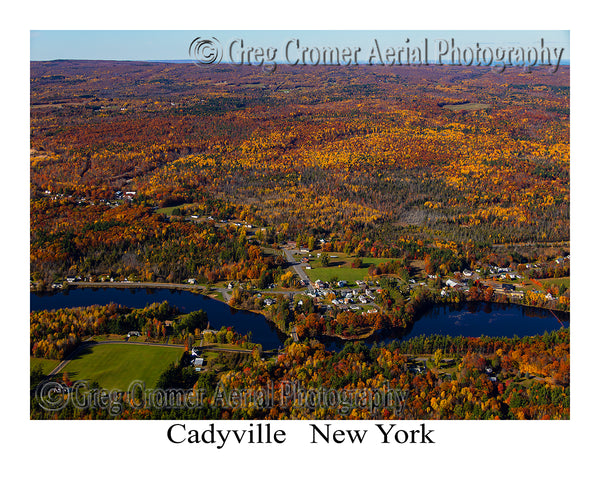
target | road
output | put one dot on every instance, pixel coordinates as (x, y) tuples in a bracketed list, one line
[(224, 349), (171, 286), (296, 265), (175, 286)]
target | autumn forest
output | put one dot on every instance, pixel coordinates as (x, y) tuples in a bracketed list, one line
[(420, 185)]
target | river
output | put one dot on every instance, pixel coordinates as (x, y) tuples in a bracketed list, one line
[(470, 319)]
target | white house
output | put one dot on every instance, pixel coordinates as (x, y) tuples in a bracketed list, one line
[(198, 364)]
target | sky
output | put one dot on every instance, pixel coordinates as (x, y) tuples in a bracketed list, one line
[(174, 44)]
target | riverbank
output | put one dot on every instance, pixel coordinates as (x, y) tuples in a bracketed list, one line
[(265, 331)]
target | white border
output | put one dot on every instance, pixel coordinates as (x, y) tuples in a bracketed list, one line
[(465, 449)]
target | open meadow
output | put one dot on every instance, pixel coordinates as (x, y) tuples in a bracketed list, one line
[(115, 366)]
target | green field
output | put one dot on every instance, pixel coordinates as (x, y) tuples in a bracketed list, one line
[(547, 282), (169, 210), (341, 269), (566, 281), (468, 107), (115, 366), (46, 365)]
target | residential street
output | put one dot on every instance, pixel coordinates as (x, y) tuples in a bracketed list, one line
[(289, 255)]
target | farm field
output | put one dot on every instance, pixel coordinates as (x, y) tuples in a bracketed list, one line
[(46, 365), (340, 268), (566, 281), (547, 283), (116, 366), (466, 107)]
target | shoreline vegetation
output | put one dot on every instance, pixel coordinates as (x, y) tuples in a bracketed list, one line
[(366, 332)]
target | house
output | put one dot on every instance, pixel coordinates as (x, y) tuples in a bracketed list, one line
[(198, 364), (451, 283), (507, 287), (191, 281), (71, 279), (467, 273)]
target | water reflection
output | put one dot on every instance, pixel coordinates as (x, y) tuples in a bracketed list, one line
[(470, 319)]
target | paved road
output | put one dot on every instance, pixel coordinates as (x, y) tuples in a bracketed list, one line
[(174, 286), (225, 292), (224, 349), (296, 265)]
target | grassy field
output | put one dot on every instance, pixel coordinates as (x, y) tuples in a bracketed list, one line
[(466, 107), (566, 281), (46, 365), (169, 210), (529, 285), (116, 366), (341, 268)]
